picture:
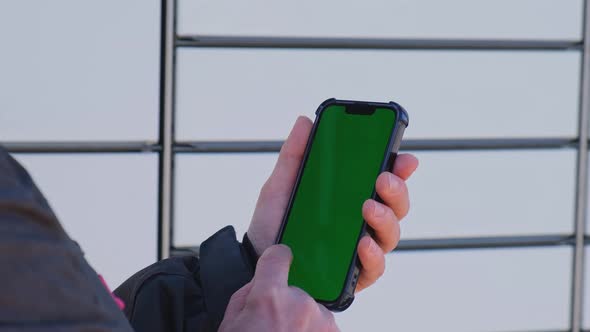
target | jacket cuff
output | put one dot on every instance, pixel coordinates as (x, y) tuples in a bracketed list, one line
[(225, 267), (250, 251)]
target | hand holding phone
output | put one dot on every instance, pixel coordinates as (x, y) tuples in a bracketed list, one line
[(350, 144), (276, 192)]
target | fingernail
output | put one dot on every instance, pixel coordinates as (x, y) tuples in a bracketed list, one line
[(378, 209), (393, 182)]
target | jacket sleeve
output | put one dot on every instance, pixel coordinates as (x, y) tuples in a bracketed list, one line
[(45, 282), (189, 293)]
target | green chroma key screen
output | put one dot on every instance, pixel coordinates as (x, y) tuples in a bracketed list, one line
[(325, 219)]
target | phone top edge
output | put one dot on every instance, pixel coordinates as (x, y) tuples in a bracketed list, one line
[(402, 113)]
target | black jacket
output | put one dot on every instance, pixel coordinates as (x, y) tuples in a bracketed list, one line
[(47, 285), (189, 293)]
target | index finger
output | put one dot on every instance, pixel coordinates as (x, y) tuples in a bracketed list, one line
[(285, 172), (273, 267)]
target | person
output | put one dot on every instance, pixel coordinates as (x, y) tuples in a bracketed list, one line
[(46, 284)]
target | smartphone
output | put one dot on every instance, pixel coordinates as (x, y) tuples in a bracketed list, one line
[(350, 144)]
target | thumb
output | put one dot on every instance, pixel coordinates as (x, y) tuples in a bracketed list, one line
[(273, 266), (238, 301), (285, 171)]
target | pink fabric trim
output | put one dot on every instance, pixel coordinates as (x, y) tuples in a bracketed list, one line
[(118, 301)]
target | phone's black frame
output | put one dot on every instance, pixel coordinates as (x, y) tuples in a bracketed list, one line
[(346, 296)]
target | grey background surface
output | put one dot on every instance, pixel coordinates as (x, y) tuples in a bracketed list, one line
[(76, 71)]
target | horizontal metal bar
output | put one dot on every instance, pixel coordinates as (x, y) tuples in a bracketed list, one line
[(184, 251), (540, 331), (486, 242), (80, 147), (488, 144), (457, 243), (375, 43), (228, 146), (408, 145), (275, 146)]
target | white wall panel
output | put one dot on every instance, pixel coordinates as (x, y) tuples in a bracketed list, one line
[(453, 194), (522, 19), (107, 203), (492, 193), (472, 290), (79, 70), (216, 190), (257, 94)]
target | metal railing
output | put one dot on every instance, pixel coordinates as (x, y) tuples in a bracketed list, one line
[(580, 143)]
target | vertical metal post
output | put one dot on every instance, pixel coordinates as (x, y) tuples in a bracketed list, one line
[(166, 162), (582, 183)]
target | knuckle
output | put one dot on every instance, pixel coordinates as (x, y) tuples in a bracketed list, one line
[(304, 304), (234, 296), (266, 299), (401, 189), (390, 214), (271, 293), (381, 185), (383, 224), (375, 271), (297, 292), (309, 306), (270, 258), (288, 154), (267, 189)]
